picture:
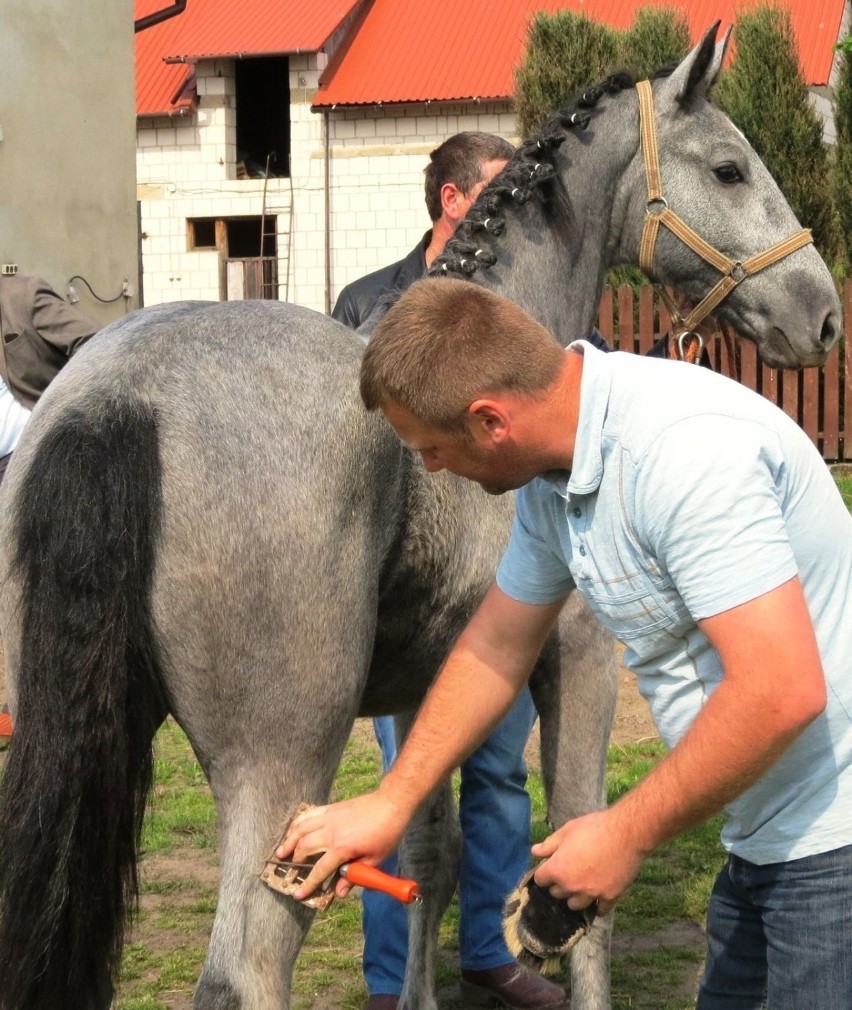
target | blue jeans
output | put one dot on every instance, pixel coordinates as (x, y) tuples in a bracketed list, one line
[(780, 936), (494, 810)]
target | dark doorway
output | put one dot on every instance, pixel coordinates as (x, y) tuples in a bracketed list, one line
[(263, 115)]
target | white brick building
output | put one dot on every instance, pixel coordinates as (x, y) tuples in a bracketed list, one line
[(362, 191)]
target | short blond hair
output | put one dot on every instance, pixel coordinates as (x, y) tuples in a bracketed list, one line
[(448, 342)]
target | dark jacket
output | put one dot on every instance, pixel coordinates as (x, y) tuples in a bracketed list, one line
[(39, 331), (358, 299)]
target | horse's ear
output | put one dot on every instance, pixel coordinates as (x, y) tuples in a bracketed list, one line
[(696, 75)]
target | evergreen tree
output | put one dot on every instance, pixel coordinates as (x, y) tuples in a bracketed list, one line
[(766, 96), (842, 175), (565, 52), (659, 37)]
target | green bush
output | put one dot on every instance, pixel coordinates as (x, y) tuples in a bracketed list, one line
[(565, 52), (842, 166), (659, 37)]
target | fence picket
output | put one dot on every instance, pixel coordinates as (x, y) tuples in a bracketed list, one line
[(606, 315), (831, 408), (748, 363), (626, 333), (810, 404)]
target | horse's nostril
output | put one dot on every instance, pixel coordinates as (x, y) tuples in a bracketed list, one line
[(830, 333)]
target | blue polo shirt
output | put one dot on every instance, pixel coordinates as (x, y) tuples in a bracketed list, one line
[(690, 495)]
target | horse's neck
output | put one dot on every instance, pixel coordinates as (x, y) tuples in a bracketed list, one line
[(558, 275), (553, 279)]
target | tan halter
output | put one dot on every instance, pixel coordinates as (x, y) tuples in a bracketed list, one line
[(657, 212)]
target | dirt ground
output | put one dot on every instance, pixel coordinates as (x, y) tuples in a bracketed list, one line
[(633, 723)]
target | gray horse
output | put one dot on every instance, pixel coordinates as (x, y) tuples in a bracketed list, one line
[(202, 520)]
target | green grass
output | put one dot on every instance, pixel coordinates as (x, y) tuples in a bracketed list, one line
[(180, 811), (845, 486)]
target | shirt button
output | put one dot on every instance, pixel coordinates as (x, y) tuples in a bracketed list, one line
[(582, 552), (578, 512)]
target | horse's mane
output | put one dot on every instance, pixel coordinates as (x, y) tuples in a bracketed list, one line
[(531, 172)]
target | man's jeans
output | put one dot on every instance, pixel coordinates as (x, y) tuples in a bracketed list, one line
[(494, 809), (780, 936)]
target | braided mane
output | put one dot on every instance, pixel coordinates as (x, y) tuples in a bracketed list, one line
[(532, 172)]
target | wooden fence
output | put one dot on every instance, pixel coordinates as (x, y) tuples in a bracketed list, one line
[(819, 399)]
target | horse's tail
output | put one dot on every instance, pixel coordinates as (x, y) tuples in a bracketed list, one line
[(84, 521)]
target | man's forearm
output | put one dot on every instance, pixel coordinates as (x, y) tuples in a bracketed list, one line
[(485, 671), (774, 687)]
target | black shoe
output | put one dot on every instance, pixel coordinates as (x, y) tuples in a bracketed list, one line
[(382, 1002), (512, 987)]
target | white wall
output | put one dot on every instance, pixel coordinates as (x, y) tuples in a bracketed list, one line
[(376, 208), (67, 148)]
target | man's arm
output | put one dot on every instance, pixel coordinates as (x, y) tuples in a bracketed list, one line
[(477, 685), (346, 309), (59, 324), (773, 688)]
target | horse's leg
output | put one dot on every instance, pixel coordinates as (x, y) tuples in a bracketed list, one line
[(268, 709), (430, 854), (257, 933), (575, 689)]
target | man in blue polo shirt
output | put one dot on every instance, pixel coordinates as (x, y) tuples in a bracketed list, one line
[(706, 533)]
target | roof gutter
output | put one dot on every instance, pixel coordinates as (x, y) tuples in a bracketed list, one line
[(326, 129), (157, 17)]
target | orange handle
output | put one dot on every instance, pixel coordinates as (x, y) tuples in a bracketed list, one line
[(365, 875)]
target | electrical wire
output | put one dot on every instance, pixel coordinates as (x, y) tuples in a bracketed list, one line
[(106, 301)]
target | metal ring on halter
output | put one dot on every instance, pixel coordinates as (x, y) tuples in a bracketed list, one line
[(738, 272), (656, 206), (681, 343)]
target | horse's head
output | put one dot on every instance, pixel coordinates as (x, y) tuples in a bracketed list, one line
[(712, 180)]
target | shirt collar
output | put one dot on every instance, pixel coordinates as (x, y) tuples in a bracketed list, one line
[(595, 383)]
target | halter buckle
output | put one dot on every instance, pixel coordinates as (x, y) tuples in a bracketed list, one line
[(738, 272)]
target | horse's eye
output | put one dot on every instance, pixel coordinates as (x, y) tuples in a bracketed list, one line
[(728, 173)]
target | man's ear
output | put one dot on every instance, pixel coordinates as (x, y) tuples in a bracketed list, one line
[(451, 199), (489, 422)]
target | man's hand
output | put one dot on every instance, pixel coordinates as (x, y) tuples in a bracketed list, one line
[(588, 858), (367, 827)]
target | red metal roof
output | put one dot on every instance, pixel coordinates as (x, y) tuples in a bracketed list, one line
[(209, 28), (443, 50)]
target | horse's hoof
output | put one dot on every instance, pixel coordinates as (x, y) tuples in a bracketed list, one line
[(540, 929)]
